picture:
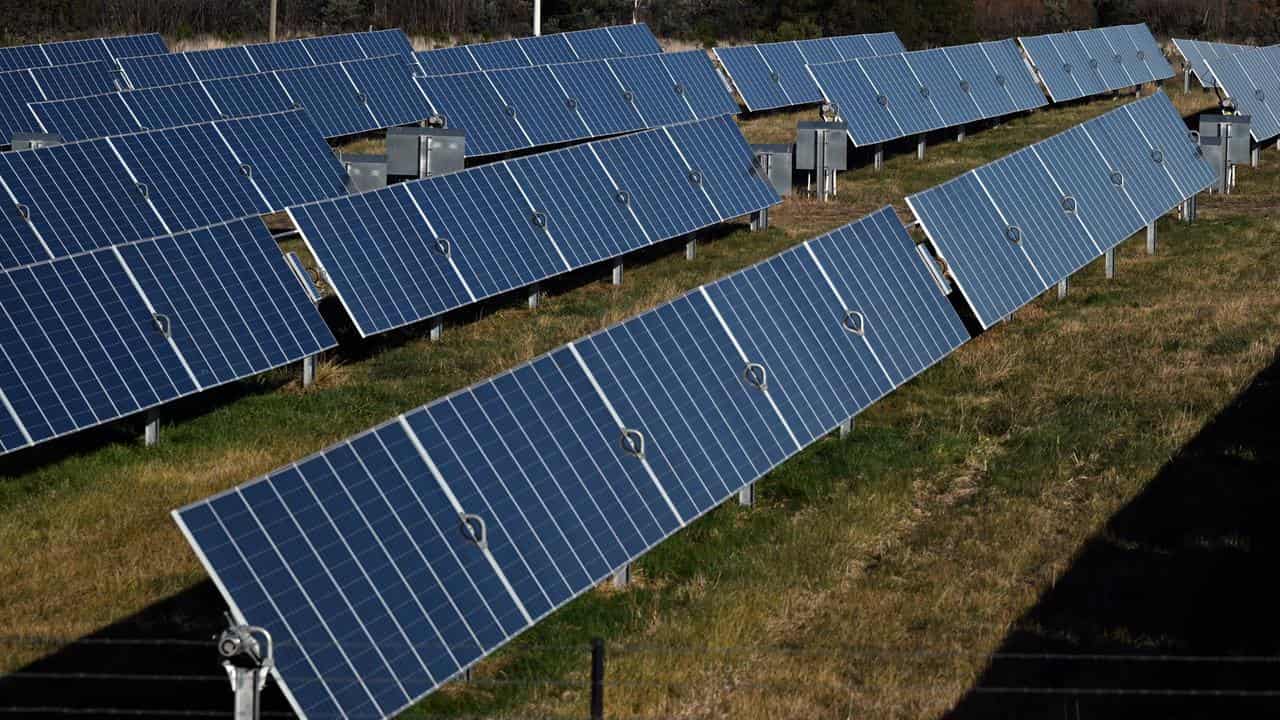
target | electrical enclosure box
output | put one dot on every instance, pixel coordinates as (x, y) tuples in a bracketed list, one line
[(420, 152), (1234, 130), (1213, 150), (774, 163), (32, 141), (365, 172), (822, 141)]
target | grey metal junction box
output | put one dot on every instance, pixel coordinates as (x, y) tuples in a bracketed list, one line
[(32, 140), (822, 142), (1213, 150), (365, 172), (425, 152), (1234, 131), (773, 161)]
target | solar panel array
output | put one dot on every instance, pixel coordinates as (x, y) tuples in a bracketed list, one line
[(1087, 62), (415, 250), (108, 332), (1011, 229), (341, 98), (593, 44), (83, 196), (1250, 80), (187, 67), (1198, 53), (70, 52), (56, 82), (886, 97), (773, 75), (365, 561), (519, 108)]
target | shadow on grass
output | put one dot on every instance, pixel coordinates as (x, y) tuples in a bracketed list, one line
[(1181, 572)]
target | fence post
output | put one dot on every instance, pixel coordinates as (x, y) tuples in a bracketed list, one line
[(597, 679)]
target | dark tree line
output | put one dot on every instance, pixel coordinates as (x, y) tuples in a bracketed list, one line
[(918, 22)]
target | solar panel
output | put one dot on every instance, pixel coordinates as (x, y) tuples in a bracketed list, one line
[(535, 453), (156, 70), (248, 95), (1107, 62), (852, 47), (21, 57), (980, 80), (171, 105), (541, 107), (853, 97), (447, 61), (594, 44), (282, 55), (389, 92), (886, 43), (1013, 228), (908, 100), (949, 94), (759, 86), (58, 82), (785, 60), (328, 95), (497, 55), (635, 39), (87, 117), (1012, 74), (819, 50), (70, 52), (124, 46), (104, 334), (1121, 42), (333, 49), (222, 62), (285, 157), (599, 97), (1150, 51), (515, 223), (699, 83), (380, 43), (1198, 54), (1053, 70), (469, 101), (652, 89), (17, 88), (547, 49), (1080, 65)]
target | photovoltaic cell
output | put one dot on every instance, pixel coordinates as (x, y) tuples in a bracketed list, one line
[(548, 49), (785, 60), (699, 83), (380, 43), (885, 43), (123, 46), (447, 61), (286, 157), (541, 107), (470, 102), (908, 99), (222, 62), (283, 55), (327, 94), (758, 85), (653, 89), (17, 88), (171, 105), (389, 92), (1108, 63), (1052, 68), (717, 151), (979, 75), (59, 82), (1078, 64), (21, 57), (663, 192), (1150, 51), (156, 70), (599, 97), (949, 94), (858, 102), (594, 44), (70, 52), (332, 49), (852, 47), (819, 50), (1082, 172), (245, 95), (498, 55), (87, 117), (1012, 74)]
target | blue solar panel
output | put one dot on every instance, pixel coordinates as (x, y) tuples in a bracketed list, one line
[(381, 258), (390, 93), (1083, 173), (248, 95), (380, 43), (786, 61), (447, 61), (548, 49), (1122, 43), (87, 117), (1125, 148), (1108, 63), (908, 100), (885, 43), (857, 102), (635, 39), (1150, 52), (124, 46), (17, 88), (581, 207), (333, 48), (716, 150), (541, 108), (70, 52), (666, 195), (468, 101), (1012, 74), (495, 240), (283, 55), (285, 157), (599, 97), (1083, 68), (852, 47), (594, 44), (79, 197), (222, 62), (700, 84), (498, 55), (1053, 70), (171, 105), (818, 51), (19, 244), (157, 70), (1261, 93), (652, 88), (21, 57), (979, 77), (1165, 131), (950, 95), (760, 87), (327, 94), (59, 82)]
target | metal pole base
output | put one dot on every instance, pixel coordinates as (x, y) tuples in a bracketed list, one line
[(920, 145), (879, 158), (846, 428), (151, 433), (535, 296), (1151, 239), (437, 328), (1255, 157), (308, 371), (1062, 289), (1186, 81), (960, 134), (691, 249), (622, 577), (616, 279), (1110, 264), (747, 495)]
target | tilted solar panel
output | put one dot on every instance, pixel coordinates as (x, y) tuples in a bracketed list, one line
[(886, 43), (285, 157), (59, 82), (548, 49), (852, 96), (908, 100), (389, 91), (156, 70), (1052, 68), (1149, 51), (222, 62), (599, 97), (546, 456), (470, 101), (1108, 63), (1082, 68), (726, 169), (950, 94), (699, 83), (70, 52), (594, 44), (124, 46), (652, 89), (759, 86), (329, 96), (244, 95), (785, 60), (498, 55), (1121, 42), (979, 78), (852, 47), (332, 49), (665, 193), (282, 55), (105, 334), (447, 61), (541, 107), (1012, 74), (819, 50), (1083, 173), (17, 88), (380, 43), (88, 117), (171, 105), (635, 39), (21, 57)]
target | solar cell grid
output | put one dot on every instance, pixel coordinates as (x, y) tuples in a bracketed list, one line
[(908, 99), (17, 88), (332, 49), (329, 96), (286, 158), (245, 95), (593, 44), (699, 84), (498, 55), (1012, 74), (87, 117), (1078, 64), (469, 101), (852, 47), (950, 95), (282, 55), (758, 85), (447, 61), (59, 82), (540, 105), (979, 77), (156, 70), (662, 190), (389, 92), (222, 62), (857, 101), (785, 60), (547, 49), (171, 105), (634, 39), (599, 96), (652, 89)]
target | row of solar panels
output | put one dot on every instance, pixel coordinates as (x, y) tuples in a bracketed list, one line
[(1198, 53), (418, 249), (70, 324), (893, 96), (1250, 81), (1088, 62), (773, 75), (19, 88), (70, 52), (387, 564), (594, 44), (83, 196), (174, 68)]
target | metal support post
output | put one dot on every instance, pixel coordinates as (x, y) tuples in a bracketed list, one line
[(597, 679), (960, 134), (747, 495), (437, 328), (151, 434), (616, 279), (247, 658), (535, 296), (760, 220), (920, 143), (1062, 288), (1186, 81), (1110, 264), (879, 159), (846, 428), (1255, 156), (308, 371), (1151, 239), (691, 248), (622, 577)]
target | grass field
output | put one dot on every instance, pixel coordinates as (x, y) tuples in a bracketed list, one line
[(875, 574)]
